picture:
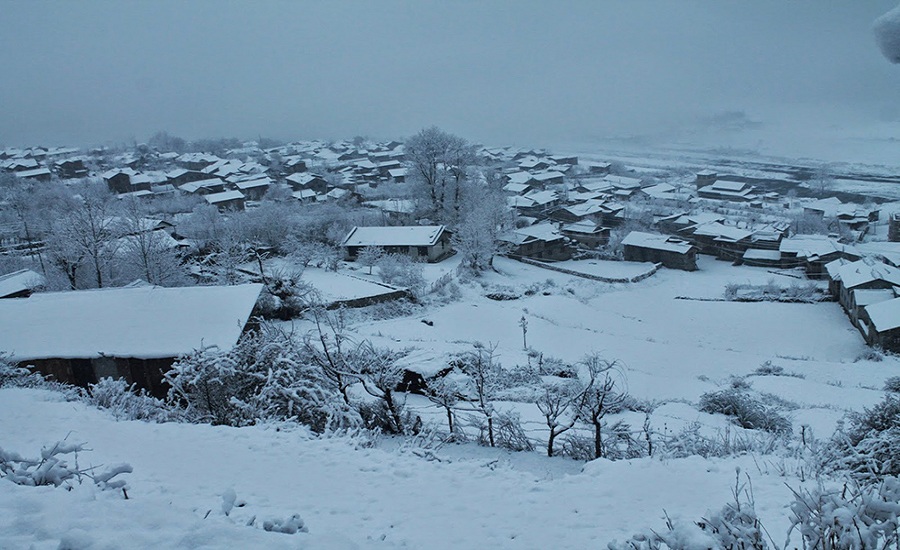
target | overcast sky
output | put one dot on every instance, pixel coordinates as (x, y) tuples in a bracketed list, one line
[(516, 72)]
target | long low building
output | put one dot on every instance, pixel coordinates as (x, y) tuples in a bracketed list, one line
[(670, 251), (134, 333), (425, 242)]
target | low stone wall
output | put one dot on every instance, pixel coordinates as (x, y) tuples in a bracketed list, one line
[(602, 279)]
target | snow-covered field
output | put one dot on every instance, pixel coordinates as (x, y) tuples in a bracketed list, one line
[(673, 335)]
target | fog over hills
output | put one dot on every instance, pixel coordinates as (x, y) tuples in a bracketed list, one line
[(764, 75)]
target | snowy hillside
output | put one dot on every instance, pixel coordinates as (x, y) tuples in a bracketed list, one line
[(672, 334)]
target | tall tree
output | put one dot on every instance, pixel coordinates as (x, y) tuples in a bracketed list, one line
[(439, 165)]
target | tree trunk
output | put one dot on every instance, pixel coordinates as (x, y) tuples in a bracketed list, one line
[(550, 441), (491, 430), (598, 440)]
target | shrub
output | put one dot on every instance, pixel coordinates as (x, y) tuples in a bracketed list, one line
[(508, 432), (126, 403), (871, 354), (264, 377), (748, 412), (768, 369), (53, 468), (402, 271), (870, 447), (892, 384), (734, 527), (850, 517)]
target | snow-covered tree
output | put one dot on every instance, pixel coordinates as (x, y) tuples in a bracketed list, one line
[(481, 366), (558, 403), (599, 397), (477, 236), (369, 256), (438, 165), (887, 34), (145, 253)]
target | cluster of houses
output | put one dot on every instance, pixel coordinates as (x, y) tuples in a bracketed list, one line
[(231, 182), (43, 163)]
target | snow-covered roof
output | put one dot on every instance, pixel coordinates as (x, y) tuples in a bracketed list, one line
[(412, 235), (541, 231), (18, 281), (194, 186), (144, 322), (885, 315), (722, 232), (304, 194), (548, 176), (224, 196), (582, 226), (732, 186), (869, 296), (660, 190), (864, 271), (833, 268), (520, 177), (622, 182), (33, 173), (542, 197), (251, 184), (397, 206), (302, 178), (657, 242), (762, 254)]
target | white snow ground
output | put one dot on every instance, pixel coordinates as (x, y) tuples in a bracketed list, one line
[(351, 496)]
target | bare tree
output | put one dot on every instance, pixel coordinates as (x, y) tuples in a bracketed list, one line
[(481, 366), (84, 236), (446, 393), (558, 403), (379, 373), (328, 347), (599, 397), (147, 252)]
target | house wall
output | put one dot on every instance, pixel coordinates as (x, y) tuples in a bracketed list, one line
[(670, 259), (846, 296), (144, 373)]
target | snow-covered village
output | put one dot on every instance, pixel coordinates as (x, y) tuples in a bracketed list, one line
[(461, 335)]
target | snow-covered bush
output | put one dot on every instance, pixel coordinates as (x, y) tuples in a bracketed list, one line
[(285, 297), (874, 355), (264, 377), (869, 448), (771, 292), (854, 516), (892, 384), (12, 375), (747, 411), (127, 403), (400, 270), (53, 468), (691, 441), (444, 289), (507, 430), (734, 527)]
